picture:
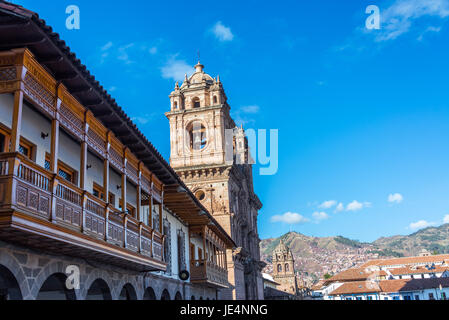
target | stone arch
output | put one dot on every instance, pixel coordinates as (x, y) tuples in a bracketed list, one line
[(165, 295), (149, 294), (287, 267), (192, 298), (279, 267), (178, 296), (10, 263), (128, 293), (131, 280), (98, 290), (97, 274), (46, 272), (54, 288), (9, 286)]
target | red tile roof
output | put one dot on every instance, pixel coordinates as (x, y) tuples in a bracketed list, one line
[(390, 286), (356, 287), (407, 261)]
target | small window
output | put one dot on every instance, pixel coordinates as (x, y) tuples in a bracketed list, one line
[(129, 208), (98, 191), (26, 149), (112, 198), (64, 171), (196, 103), (215, 100)]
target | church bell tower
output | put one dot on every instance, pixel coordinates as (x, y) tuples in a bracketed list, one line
[(200, 123)]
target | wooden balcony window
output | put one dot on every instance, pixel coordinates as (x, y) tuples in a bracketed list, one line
[(112, 198), (98, 191), (64, 171), (26, 147), (129, 209)]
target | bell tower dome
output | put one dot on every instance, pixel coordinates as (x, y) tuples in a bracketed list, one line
[(198, 118)]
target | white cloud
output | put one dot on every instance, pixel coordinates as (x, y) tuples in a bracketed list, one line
[(153, 50), (289, 218), (107, 46), (319, 216), (328, 204), (395, 198), (421, 224), (241, 115), (402, 14), (143, 119), (446, 219), (250, 109), (429, 29), (356, 206), (123, 53), (222, 33), (176, 69), (340, 207)]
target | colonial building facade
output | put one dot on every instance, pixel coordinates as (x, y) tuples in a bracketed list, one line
[(83, 193), (211, 156)]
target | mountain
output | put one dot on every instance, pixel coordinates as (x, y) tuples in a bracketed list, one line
[(315, 256), (432, 239)]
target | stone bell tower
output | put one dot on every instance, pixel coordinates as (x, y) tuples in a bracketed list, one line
[(200, 124), (284, 269)]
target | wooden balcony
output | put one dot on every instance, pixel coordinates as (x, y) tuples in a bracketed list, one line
[(209, 273), (42, 210)]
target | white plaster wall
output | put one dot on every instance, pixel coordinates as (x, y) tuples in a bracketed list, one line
[(95, 173), (6, 108), (33, 124), (114, 181), (69, 152), (131, 194), (175, 225)]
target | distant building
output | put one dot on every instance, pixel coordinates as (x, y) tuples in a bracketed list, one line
[(424, 277), (284, 269), (268, 281), (283, 285)]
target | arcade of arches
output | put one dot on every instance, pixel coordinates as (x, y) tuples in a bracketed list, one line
[(25, 275)]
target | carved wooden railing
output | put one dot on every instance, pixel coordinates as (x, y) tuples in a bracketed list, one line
[(69, 201), (205, 270), (74, 208)]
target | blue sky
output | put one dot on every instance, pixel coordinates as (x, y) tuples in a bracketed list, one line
[(363, 116)]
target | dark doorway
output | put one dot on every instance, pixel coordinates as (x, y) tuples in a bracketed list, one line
[(99, 290), (54, 288)]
